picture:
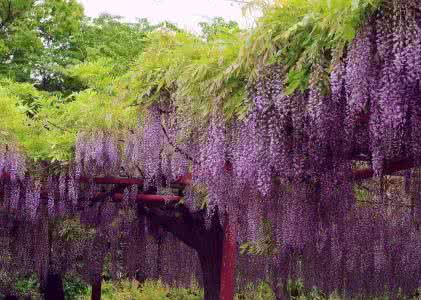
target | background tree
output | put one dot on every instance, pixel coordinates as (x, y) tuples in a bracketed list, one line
[(218, 26), (41, 39), (38, 40)]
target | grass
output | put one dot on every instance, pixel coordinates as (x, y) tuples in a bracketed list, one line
[(149, 290)]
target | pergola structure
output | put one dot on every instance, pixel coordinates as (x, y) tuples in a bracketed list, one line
[(216, 248)]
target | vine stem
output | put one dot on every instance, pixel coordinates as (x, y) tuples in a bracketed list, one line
[(176, 147)]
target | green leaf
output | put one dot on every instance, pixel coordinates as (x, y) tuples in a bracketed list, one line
[(349, 32)]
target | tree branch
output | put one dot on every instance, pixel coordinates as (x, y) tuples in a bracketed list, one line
[(58, 127), (178, 149)]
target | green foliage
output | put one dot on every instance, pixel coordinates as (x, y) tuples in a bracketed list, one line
[(261, 291), (45, 125), (28, 287), (16, 104), (37, 39), (361, 194), (111, 38), (108, 46), (264, 246), (302, 34), (216, 27), (99, 73), (88, 111), (193, 71), (74, 287), (40, 39), (297, 291), (20, 103), (73, 230), (150, 290)]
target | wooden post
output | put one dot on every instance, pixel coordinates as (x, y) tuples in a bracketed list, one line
[(96, 288), (229, 259), (54, 289)]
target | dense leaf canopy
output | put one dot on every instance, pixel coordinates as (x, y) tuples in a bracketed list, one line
[(114, 66)]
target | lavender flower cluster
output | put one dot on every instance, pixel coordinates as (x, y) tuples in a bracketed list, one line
[(306, 142)]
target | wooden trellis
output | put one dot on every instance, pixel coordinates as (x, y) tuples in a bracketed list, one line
[(229, 246)]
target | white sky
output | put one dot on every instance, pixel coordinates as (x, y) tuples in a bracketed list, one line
[(185, 13)]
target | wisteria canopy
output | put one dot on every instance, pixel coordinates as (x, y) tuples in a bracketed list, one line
[(275, 127)]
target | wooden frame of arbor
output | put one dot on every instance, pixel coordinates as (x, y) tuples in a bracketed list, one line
[(228, 248), (217, 248)]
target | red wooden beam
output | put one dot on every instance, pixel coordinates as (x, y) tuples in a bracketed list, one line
[(229, 258), (362, 118), (112, 180), (358, 174), (388, 169), (160, 199), (99, 180), (105, 180), (184, 180)]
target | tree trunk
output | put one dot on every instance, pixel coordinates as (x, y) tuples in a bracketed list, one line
[(190, 228), (54, 289), (96, 289), (211, 274), (209, 248)]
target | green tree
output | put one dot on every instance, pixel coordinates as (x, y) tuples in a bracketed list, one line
[(110, 37), (37, 40), (218, 26), (108, 46)]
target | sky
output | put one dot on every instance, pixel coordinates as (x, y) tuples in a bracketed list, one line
[(185, 13)]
